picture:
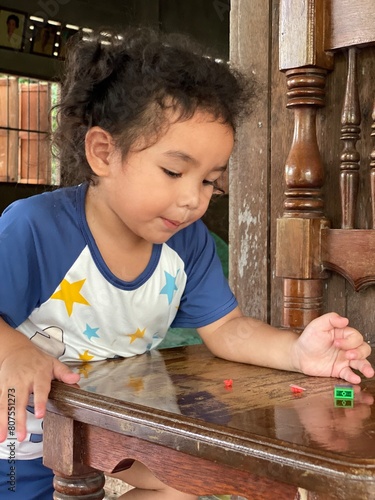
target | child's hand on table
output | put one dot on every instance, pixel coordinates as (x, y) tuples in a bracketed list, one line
[(328, 347), (27, 370)]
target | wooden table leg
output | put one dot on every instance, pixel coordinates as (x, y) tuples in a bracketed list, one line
[(62, 453), (90, 485)]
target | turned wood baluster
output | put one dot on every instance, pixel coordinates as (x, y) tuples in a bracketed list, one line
[(298, 231), (89, 486), (304, 173), (372, 169), (350, 134)]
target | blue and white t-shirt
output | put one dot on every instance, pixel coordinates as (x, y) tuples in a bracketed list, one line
[(57, 290)]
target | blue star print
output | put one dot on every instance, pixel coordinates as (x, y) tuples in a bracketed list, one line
[(90, 332), (170, 286)]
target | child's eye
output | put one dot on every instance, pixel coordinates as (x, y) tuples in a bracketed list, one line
[(210, 183), (174, 175)]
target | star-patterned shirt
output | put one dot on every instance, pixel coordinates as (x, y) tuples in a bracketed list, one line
[(57, 290)]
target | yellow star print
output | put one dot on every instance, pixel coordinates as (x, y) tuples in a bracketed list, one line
[(137, 335), (85, 368), (135, 383), (85, 356), (70, 293)]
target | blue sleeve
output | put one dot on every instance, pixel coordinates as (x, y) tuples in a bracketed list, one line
[(38, 242), (207, 296), (19, 267)]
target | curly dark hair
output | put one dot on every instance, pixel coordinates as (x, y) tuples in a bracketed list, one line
[(125, 83)]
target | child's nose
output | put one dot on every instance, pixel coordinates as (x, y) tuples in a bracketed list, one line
[(189, 196)]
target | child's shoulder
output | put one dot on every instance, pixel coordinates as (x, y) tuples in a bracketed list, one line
[(44, 205)]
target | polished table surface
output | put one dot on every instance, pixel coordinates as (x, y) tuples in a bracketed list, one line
[(172, 410)]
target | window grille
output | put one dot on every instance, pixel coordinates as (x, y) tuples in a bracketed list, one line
[(25, 129)]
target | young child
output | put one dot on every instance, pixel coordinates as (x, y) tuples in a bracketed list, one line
[(103, 268)]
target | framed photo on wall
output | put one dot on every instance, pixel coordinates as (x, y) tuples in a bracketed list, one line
[(44, 38), (12, 27)]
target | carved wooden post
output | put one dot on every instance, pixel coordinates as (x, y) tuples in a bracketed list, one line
[(350, 134), (298, 231), (298, 259)]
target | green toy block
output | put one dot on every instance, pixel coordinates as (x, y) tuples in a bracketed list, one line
[(344, 392), (344, 403)]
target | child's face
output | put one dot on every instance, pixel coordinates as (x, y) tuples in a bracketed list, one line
[(11, 26), (158, 191)]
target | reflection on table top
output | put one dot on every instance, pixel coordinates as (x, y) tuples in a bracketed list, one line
[(189, 382), (181, 391)]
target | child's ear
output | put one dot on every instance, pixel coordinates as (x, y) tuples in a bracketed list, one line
[(99, 147)]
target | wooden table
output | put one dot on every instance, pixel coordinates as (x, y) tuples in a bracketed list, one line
[(170, 409)]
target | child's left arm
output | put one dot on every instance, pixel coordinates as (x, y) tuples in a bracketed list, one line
[(328, 347)]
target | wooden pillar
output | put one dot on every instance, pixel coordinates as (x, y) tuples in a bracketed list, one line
[(298, 259), (249, 184)]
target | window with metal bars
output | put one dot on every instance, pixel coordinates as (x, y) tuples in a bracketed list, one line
[(25, 128)]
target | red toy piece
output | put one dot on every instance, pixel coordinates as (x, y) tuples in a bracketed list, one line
[(296, 389), (228, 383)]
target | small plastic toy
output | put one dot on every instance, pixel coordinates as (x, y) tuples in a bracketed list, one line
[(344, 403), (228, 383), (344, 392), (296, 389)]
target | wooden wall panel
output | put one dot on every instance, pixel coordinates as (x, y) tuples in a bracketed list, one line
[(351, 25), (249, 168)]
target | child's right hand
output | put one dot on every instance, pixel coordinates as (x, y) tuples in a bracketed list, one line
[(24, 371)]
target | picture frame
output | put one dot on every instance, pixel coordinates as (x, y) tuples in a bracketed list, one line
[(44, 39), (12, 28)]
